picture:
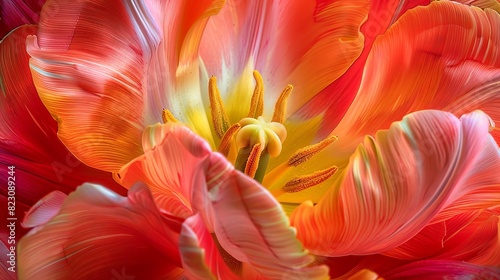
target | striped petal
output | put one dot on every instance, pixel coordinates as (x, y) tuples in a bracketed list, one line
[(450, 63), (104, 69), (232, 222), (172, 166), (336, 98), (97, 234), (28, 139), (396, 183)]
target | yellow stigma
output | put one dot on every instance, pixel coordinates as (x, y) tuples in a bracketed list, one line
[(257, 131)]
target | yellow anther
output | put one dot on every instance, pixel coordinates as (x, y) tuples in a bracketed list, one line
[(257, 131), (304, 154), (280, 107), (167, 117), (219, 116), (303, 182), (225, 142), (257, 101), (253, 160)]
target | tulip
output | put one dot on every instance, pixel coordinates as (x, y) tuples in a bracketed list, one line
[(359, 183)]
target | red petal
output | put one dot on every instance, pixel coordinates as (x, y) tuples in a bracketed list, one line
[(442, 269), (99, 234), (14, 13)]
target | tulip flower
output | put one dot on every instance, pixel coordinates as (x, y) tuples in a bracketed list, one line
[(353, 184)]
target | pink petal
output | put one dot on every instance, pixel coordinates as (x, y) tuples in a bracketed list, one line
[(172, 166), (251, 226), (201, 258), (228, 207), (98, 234), (399, 181), (44, 210)]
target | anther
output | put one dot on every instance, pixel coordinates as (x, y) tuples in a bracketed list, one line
[(219, 116), (225, 142), (253, 160), (167, 117), (257, 101), (303, 182), (280, 107), (304, 154)]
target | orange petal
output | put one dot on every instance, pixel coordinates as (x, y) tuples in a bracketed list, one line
[(28, 138), (333, 101), (288, 42), (448, 63), (105, 69), (399, 181), (172, 166), (99, 234)]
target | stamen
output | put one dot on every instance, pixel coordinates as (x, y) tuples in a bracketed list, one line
[(303, 182), (219, 116), (257, 102), (225, 142), (167, 116), (253, 160), (280, 107), (304, 154)]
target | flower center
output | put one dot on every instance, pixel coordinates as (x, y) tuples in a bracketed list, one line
[(253, 141)]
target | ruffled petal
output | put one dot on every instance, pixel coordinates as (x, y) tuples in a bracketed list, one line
[(172, 166), (251, 226), (97, 234), (14, 13), (28, 137), (450, 63), (399, 181), (104, 69), (229, 216), (288, 42)]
